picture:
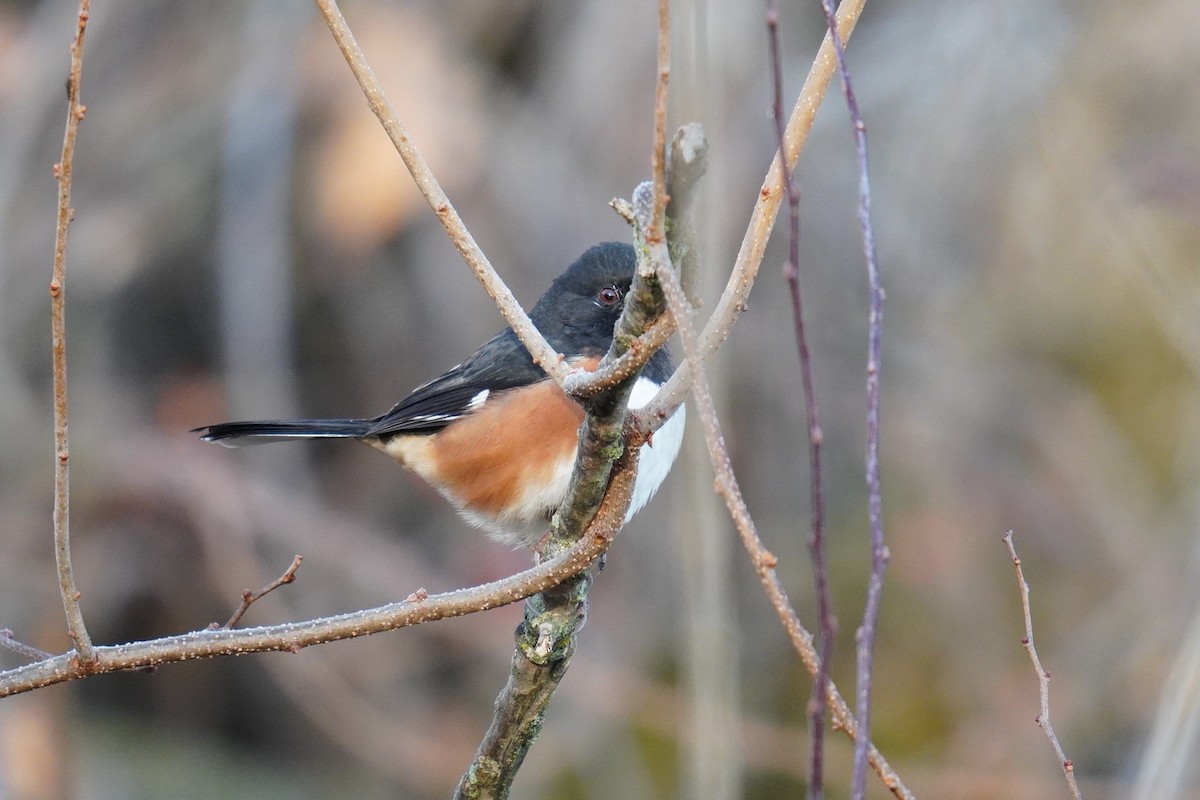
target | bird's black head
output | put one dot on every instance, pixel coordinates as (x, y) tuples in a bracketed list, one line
[(579, 310)]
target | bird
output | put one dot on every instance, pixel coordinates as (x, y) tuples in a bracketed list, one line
[(495, 435)]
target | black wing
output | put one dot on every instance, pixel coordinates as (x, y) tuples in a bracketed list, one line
[(503, 363)]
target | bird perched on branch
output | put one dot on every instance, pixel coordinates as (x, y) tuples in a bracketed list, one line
[(496, 435)]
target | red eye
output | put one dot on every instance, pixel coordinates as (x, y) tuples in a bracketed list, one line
[(609, 296)]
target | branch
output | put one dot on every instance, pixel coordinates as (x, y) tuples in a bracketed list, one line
[(543, 354), (58, 289), (733, 300), (657, 228), (293, 636), (249, 597), (1043, 719), (546, 641), (865, 636), (816, 544)]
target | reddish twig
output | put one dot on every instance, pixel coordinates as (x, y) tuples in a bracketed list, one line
[(657, 228), (249, 597), (827, 625), (32, 653), (58, 289), (865, 636), (1043, 719)]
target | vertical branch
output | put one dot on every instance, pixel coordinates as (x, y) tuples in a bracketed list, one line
[(657, 230), (816, 544), (1043, 718), (865, 637), (58, 287)]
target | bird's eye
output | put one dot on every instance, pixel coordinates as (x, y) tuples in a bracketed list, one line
[(609, 296)]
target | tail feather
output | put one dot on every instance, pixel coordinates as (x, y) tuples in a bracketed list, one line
[(236, 434)]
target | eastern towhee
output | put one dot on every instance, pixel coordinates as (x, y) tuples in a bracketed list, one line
[(495, 435)]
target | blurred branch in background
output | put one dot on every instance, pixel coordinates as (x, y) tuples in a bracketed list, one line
[(713, 764), (1168, 762)]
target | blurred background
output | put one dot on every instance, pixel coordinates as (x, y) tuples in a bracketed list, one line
[(247, 244)]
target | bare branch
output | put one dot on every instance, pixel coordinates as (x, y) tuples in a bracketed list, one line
[(249, 597), (543, 354), (293, 636), (546, 641), (657, 229), (865, 636), (1043, 676), (816, 544), (58, 291)]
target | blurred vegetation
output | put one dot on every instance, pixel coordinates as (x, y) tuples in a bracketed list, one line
[(247, 244)]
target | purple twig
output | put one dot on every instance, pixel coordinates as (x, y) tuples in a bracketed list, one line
[(865, 637), (816, 544)]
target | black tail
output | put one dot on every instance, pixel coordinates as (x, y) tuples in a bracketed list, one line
[(236, 434)]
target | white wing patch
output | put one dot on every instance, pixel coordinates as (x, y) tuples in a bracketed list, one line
[(478, 400), (658, 455)]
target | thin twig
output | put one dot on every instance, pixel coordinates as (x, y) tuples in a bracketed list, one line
[(249, 597), (827, 625), (543, 354), (865, 636), (58, 289), (764, 561), (733, 300), (657, 231), (32, 653), (1043, 719)]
